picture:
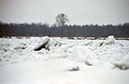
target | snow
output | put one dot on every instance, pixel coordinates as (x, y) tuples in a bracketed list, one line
[(68, 61)]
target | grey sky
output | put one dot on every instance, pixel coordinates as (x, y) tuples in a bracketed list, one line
[(78, 11)]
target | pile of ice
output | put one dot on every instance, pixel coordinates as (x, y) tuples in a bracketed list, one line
[(63, 61), (89, 52), (102, 51)]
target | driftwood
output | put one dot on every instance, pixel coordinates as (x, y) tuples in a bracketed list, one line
[(42, 44)]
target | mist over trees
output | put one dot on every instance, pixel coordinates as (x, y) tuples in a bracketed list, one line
[(60, 29)]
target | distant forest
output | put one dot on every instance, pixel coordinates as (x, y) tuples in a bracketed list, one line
[(12, 29)]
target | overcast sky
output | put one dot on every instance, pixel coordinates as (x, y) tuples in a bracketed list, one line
[(78, 11)]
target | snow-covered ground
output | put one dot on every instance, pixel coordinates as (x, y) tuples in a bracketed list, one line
[(64, 61)]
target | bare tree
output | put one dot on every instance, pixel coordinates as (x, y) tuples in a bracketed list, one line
[(61, 19)]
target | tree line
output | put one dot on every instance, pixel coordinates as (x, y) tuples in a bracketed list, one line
[(61, 29)]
